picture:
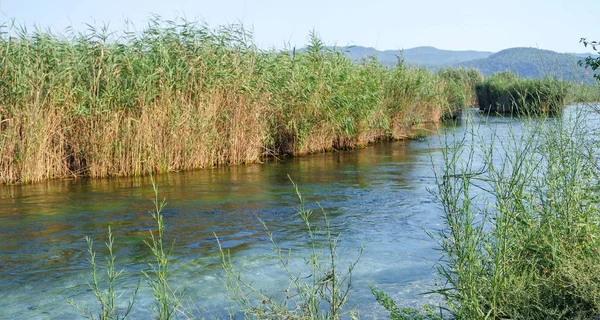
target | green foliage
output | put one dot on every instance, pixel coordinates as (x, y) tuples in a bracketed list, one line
[(507, 93), (179, 95), (521, 236), (167, 300), (106, 297), (584, 93), (591, 62), (405, 313), (460, 86)]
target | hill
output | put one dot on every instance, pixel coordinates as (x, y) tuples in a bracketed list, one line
[(421, 56), (531, 63), (433, 57), (526, 62)]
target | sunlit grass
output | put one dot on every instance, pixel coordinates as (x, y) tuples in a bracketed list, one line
[(180, 95)]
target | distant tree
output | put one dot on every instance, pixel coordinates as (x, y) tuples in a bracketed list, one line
[(592, 62)]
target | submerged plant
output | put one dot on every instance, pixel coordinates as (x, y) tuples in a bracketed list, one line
[(318, 291)]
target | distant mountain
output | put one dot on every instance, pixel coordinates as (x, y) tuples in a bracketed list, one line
[(526, 62), (430, 56), (421, 56), (531, 63)]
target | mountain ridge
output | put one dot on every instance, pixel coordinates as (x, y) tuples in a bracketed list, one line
[(526, 62)]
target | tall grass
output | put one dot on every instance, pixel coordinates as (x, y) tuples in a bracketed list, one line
[(179, 95), (507, 93), (584, 93), (521, 236), (460, 88), (317, 290), (167, 300)]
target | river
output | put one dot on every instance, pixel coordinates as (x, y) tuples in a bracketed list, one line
[(377, 198)]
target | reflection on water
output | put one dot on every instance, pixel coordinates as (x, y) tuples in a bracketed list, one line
[(375, 197)]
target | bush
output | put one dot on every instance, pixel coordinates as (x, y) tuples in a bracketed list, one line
[(521, 236)]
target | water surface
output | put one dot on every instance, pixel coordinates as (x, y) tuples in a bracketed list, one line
[(377, 198)]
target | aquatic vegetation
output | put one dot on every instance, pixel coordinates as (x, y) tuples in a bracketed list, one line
[(507, 93), (460, 86), (584, 93), (320, 290), (179, 95), (106, 297), (168, 301)]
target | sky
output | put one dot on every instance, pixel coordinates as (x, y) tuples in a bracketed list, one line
[(385, 25)]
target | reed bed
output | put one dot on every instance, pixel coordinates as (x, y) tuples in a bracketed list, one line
[(507, 93), (461, 89), (180, 95), (584, 93)]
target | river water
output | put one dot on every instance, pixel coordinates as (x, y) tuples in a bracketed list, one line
[(377, 198)]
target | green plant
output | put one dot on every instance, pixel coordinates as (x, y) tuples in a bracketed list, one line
[(405, 313), (318, 292), (507, 93), (106, 297), (179, 95), (521, 222), (591, 62), (168, 300)]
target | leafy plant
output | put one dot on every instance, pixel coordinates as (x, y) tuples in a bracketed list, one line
[(167, 300), (107, 296), (591, 62), (405, 313), (521, 222)]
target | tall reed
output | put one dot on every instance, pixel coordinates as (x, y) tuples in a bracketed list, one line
[(507, 93), (180, 95)]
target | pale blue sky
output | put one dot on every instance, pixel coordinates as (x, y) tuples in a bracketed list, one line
[(456, 25)]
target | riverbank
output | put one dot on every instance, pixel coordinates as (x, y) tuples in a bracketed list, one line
[(181, 96)]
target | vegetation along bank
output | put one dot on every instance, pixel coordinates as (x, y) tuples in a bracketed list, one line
[(181, 96)]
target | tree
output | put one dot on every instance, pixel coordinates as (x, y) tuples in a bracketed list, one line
[(592, 62)]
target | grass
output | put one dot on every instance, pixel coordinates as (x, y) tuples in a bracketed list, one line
[(507, 93), (584, 93), (106, 296), (320, 290), (460, 87), (521, 224), (167, 300), (521, 236), (179, 95)]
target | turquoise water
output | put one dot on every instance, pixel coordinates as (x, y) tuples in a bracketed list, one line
[(377, 198)]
